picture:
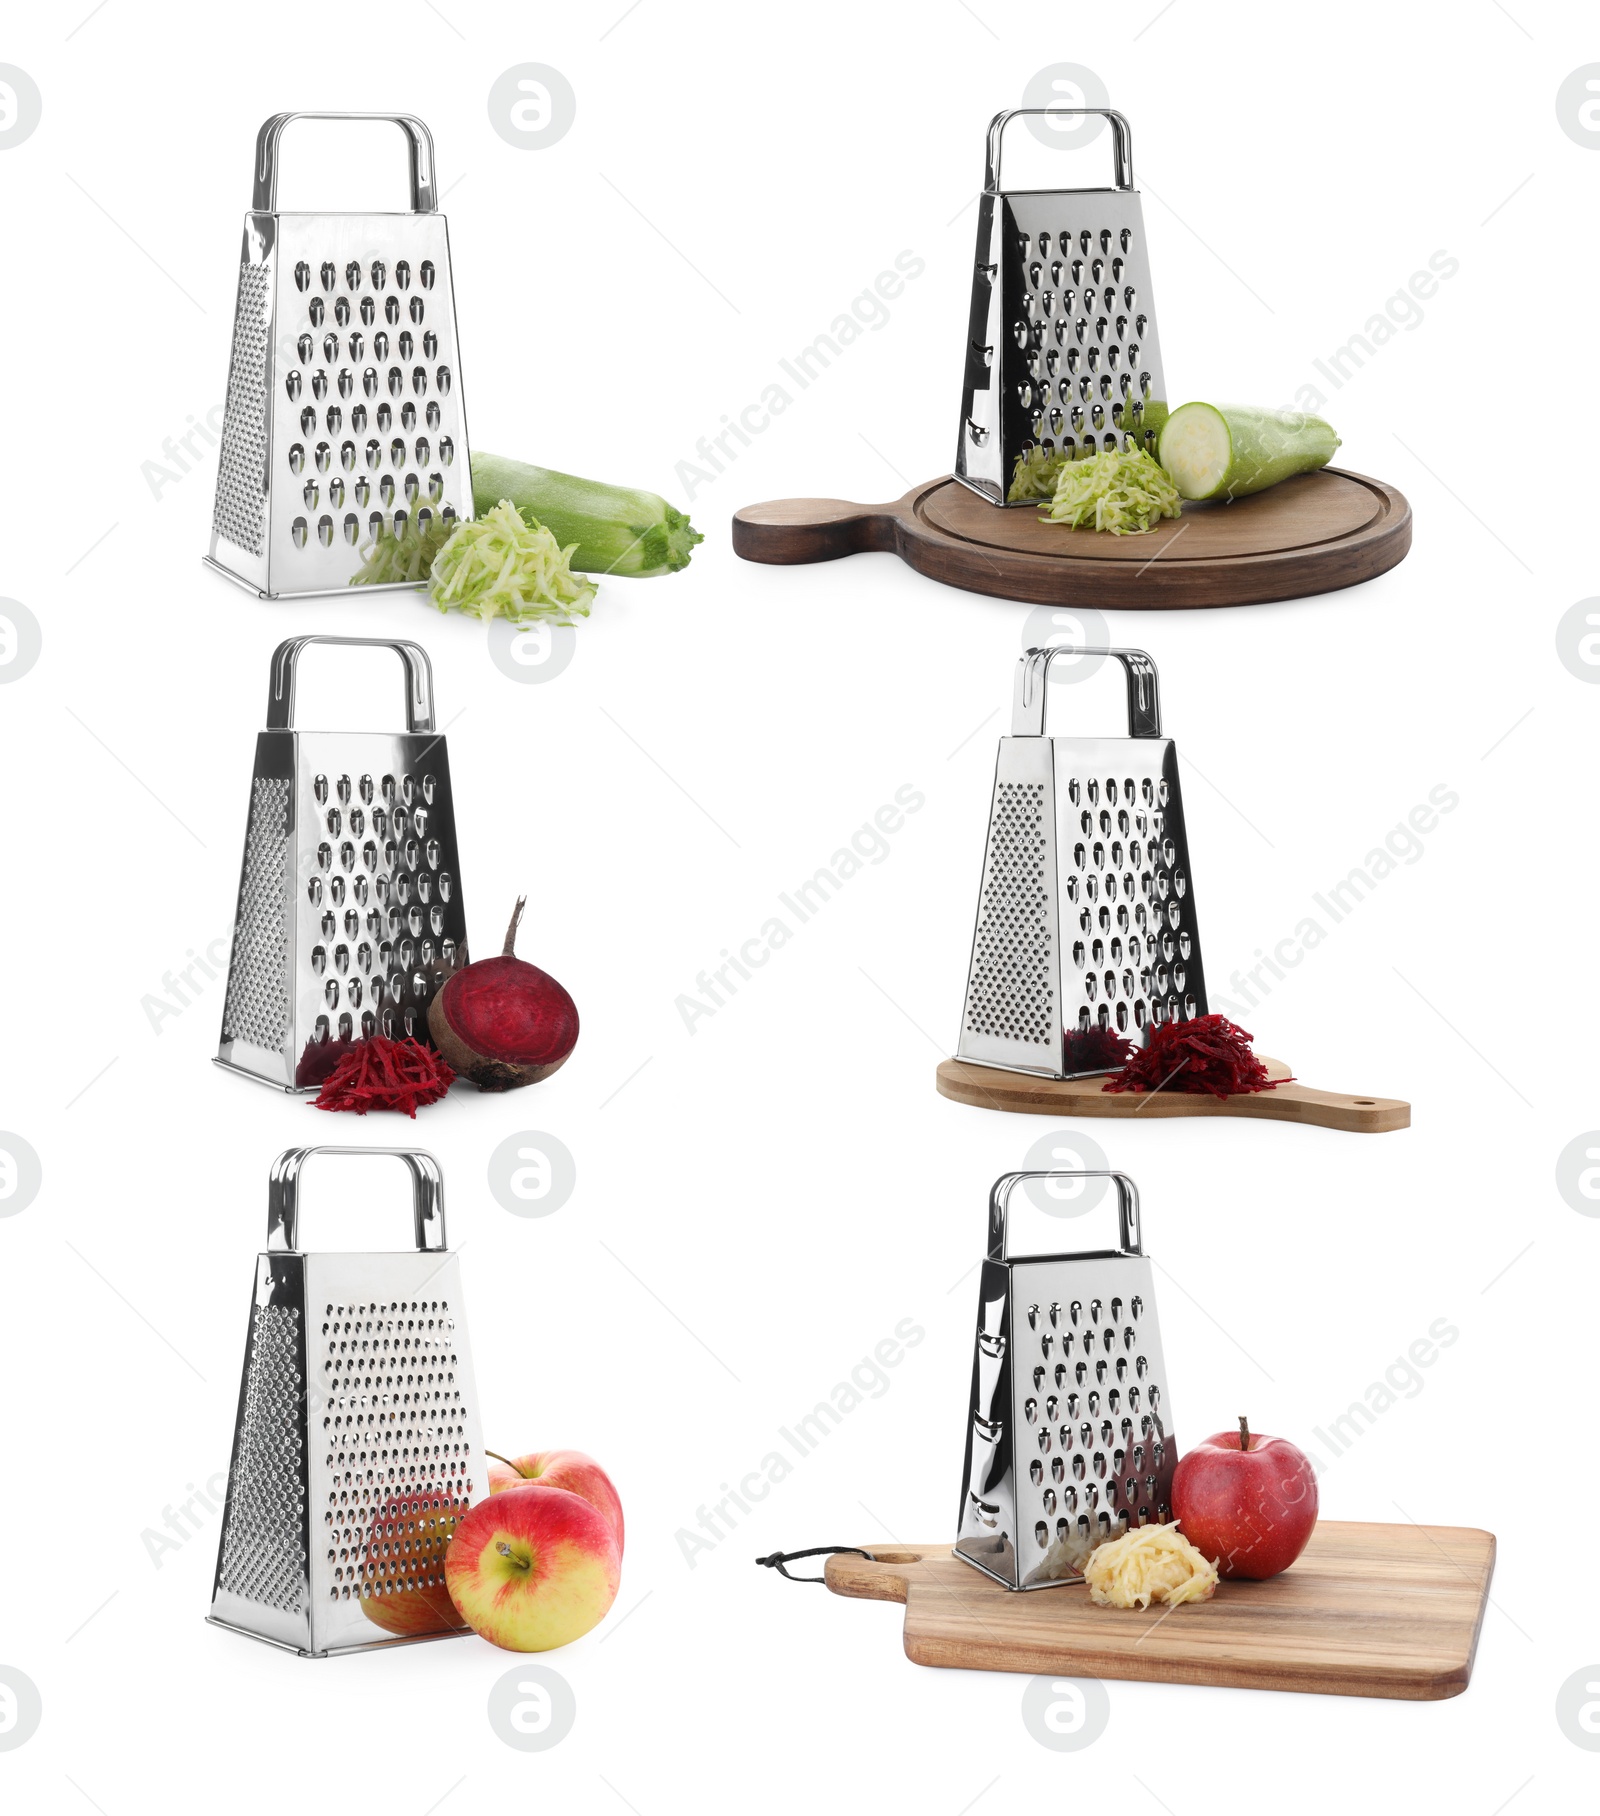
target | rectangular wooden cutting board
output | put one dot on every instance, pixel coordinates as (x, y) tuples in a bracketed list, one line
[(1367, 1610)]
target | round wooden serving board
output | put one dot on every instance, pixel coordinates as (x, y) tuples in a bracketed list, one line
[(1366, 1610), (1313, 534), (985, 1088)]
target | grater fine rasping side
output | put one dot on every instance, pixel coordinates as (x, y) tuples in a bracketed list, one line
[(1062, 351), (358, 1443), (1070, 1437), (349, 915), (1086, 915), (344, 410)]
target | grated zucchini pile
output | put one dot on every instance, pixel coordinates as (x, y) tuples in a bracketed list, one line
[(389, 560), (1035, 474), (1125, 493), (501, 566), (497, 566)]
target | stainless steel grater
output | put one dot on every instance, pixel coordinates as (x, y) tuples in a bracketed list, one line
[(1086, 915), (344, 410), (1070, 1437), (350, 914), (358, 1441), (1062, 351)]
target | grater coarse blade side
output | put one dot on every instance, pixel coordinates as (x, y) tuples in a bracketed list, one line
[(1062, 348), (344, 415), (1086, 921), (358, 1443), (349, 916), (1069, 1434)]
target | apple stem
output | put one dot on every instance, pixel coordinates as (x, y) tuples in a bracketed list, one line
[(508, 1463), (1244, 1433), (510, 947)]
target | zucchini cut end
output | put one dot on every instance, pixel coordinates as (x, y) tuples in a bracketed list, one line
[(1196, 450)]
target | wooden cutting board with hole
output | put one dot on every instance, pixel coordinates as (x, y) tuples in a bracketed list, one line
[(1312, 534), (984, 1088), (1366, 1610)]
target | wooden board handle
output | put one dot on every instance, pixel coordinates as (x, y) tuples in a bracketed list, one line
[(1338, 1110), (789, 531), (880, 1578)]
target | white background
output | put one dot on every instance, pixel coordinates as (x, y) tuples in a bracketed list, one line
[(762, 1203)]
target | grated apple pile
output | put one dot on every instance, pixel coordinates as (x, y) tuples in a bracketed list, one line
[(1149, 1564)]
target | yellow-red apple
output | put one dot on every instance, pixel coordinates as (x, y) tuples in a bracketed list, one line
[(569, 1469), (402, 1573), (533, 1569)]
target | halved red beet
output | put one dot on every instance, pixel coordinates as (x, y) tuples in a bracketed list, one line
[(502, 1022)]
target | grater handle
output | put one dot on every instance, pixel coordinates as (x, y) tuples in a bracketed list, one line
[(283, 1195), (414, 658), (1121, 132), (418, 139), (1033, 673), (1000, 1197)]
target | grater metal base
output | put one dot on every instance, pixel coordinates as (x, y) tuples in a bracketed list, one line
[(1023, 1071), (1064, 1582), (376, 1645), (256, 1078), (326, 592)]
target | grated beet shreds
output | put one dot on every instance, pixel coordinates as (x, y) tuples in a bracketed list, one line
[(1212, 1054), (382, 1074), (1096, 1049), (319, 1059)]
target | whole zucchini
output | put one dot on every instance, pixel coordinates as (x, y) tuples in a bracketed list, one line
[(617, 530)]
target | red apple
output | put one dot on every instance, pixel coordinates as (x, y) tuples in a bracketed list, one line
[(569, 1469), (1249, 1503), (534, 1568), (403, 1565)]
